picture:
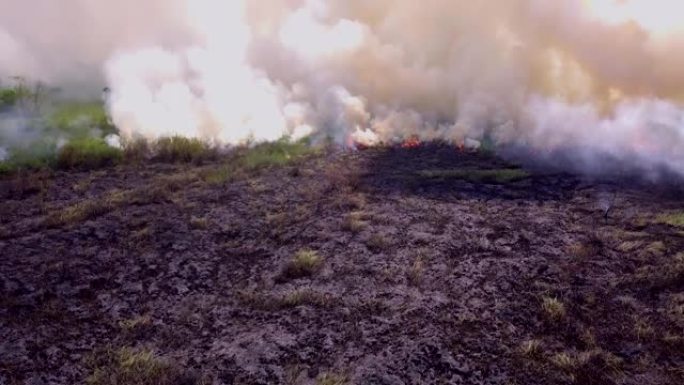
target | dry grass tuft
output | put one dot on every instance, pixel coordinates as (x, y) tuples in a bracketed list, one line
[(554, 309), (305, 263), (415, 272), (592, 366), (673, 219), (331, 379), (199, 223), (354, 222), (297, 298), (661, 276), (588, 249), (160, 191), (135, 323), (177, 149), (127, 366), (377, 243), (531, 349)]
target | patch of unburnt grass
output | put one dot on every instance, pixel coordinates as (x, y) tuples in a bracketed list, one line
[(136, 150), (199, 223), (304, 263), (595, 366), (643, 329), (662, 276), (586, 249), (178, 149), (262, 156), (553, 309), (332, 379), (492, 176), (160, 191), (531, 349), (135, 367), (25, 185), (87, 209), (673, 219), (354, 222), (378, 243), (414, 275), (135, 322), (88, 154), (293, 299)]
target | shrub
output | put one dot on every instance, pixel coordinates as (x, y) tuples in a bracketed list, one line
[(87, 154), (183, 150)]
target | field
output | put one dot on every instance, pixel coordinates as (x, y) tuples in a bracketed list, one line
[(284, 265)]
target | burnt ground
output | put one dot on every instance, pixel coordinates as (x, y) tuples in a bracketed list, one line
[(424, 280)]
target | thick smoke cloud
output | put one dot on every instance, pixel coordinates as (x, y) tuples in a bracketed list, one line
[(588, 79)]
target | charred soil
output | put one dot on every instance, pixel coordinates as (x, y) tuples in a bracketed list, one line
[(383, 266)]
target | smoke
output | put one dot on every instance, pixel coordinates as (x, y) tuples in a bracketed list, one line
[(588, 84)]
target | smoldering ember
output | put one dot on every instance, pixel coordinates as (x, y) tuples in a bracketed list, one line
[(342, 192)]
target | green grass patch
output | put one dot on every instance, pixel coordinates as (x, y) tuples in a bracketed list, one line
[(90, 153), (40, 155), (19, 92), (272, 154), (78, 119), (8, 97), (495, 176), (178, 149), (261, 156)]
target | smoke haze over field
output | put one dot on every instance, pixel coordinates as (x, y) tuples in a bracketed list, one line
[(593, 79)]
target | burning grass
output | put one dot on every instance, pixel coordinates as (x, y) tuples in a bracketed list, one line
[(495, 176)]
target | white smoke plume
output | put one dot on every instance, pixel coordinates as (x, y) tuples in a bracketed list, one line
[(591, 79)]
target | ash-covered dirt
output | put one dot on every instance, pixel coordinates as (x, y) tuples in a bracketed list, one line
[(425, 280)]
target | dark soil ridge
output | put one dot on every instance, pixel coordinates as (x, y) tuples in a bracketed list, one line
[(423, 281)]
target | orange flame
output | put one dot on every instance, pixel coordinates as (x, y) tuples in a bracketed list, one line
[(412, 142)]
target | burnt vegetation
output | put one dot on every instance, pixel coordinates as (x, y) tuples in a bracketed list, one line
[(176, 263)]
